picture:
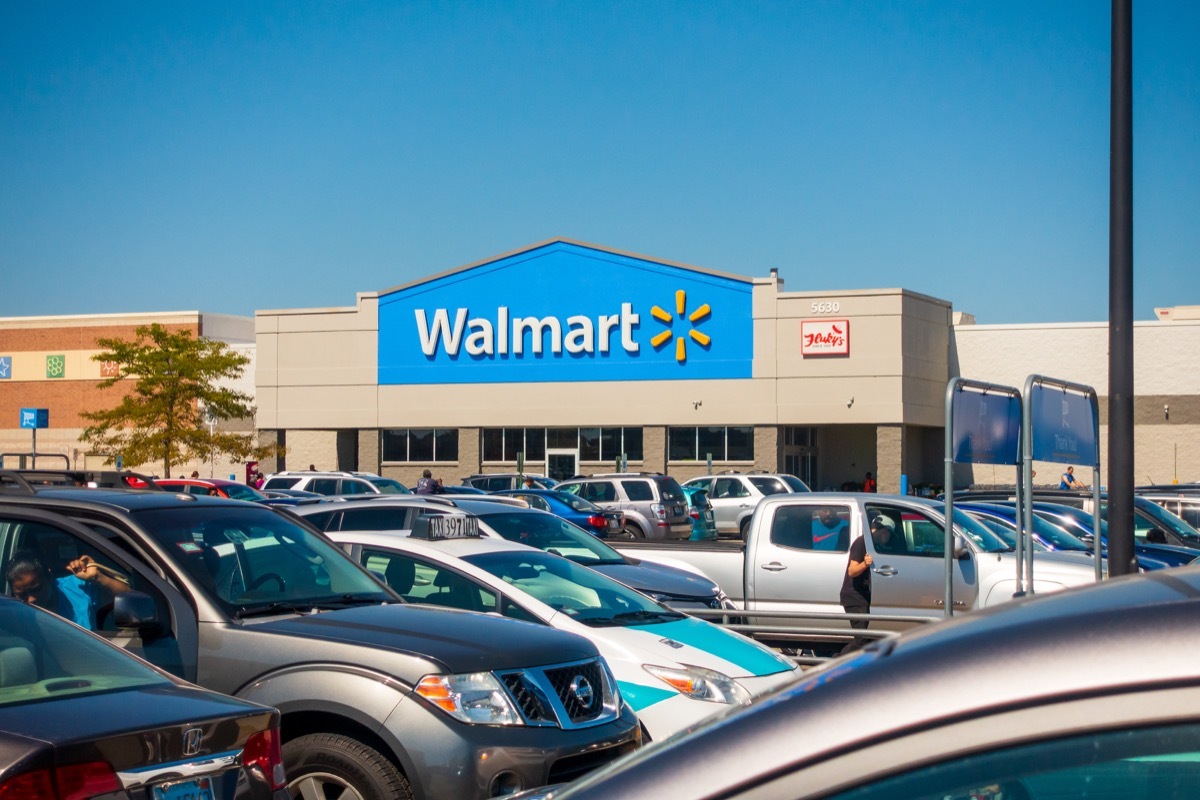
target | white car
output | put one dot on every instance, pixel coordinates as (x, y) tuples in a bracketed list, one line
[(733, 495), (672, 669), (334, 483)]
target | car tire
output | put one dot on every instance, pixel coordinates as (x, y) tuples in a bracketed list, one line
[(743, 528), (632, 531), (319, 762)]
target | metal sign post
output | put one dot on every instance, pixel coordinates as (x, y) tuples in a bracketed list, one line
[(983, 424), (34, 418), (1062, 424)]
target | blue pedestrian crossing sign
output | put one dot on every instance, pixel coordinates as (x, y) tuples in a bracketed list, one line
[(35, 418)]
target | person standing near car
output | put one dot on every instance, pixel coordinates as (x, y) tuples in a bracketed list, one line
[(76, 596), (428, 485), (856, 583), (1069, 481)]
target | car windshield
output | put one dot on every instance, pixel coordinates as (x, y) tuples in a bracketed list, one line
[(240, 491), (669, 489), (1046, 529), (251, 560), (389, 486), (983, 538), (1164, 519), (795, 483), (577, 503), (1004, 529), (548, 532), (1075, 520), (45, 658), (579, 592)]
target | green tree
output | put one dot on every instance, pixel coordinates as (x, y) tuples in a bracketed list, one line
[(175, 386)]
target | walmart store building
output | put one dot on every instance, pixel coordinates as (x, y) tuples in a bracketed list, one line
[(575, 356)]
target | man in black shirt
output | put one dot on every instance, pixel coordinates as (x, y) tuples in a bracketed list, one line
[(856, 584)]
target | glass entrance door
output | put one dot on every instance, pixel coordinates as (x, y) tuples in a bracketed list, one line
[(562, 464)]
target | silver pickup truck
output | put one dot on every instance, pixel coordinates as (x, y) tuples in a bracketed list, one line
[(793, 561)]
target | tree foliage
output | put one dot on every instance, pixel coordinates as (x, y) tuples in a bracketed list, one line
[(176, 386)]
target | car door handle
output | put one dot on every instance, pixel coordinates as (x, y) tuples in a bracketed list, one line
[(744, 505), (774, 566), (885, 571)]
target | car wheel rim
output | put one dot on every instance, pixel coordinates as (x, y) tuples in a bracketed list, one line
[(322, 786)]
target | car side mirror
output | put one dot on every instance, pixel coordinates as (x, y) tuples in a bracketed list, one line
[(961, 551), (1156, 536), (137, 611)]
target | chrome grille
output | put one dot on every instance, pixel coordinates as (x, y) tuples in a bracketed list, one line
[(574, 695), (581, 690)]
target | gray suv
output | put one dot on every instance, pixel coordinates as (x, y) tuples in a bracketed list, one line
[(379, 699), (654, 504), (734, 495)]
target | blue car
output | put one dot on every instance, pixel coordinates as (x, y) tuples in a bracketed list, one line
[(601, 522), (1078, 524)]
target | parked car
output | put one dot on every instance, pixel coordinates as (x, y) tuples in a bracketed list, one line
[(379, 699), (500, 481), (653, 504), (990, 706), (674, 670), (1148, 516), (1183, 504), (80, 718), (471, 490), (212, 486), (1079, 523), (384, 485), (325, 483), (670, 581), (602, 522), (735, 494), (704, 525)]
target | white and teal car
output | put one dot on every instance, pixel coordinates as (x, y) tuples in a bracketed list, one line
[(672, 669)]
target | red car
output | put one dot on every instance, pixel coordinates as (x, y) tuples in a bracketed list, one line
[(212, 486)]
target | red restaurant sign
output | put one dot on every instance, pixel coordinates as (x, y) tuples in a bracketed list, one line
[(825, 337)]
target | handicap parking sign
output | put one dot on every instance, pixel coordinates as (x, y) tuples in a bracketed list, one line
[(35, 418)]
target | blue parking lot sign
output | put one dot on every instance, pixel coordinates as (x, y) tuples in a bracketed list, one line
[(35, 418)]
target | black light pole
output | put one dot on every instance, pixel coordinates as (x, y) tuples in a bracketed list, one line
[(1120, 297)]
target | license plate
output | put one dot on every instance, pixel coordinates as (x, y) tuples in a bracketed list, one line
[(680, 511), (613, 524), (199, 789)]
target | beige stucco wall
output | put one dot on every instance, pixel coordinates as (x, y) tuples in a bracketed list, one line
[(1166, 443)]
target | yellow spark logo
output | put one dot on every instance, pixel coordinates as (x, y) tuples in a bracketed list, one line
[(696, 317)]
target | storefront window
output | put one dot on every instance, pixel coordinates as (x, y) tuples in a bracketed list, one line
[(564, 438), (595, 444), (632, 447), (739, 444), (493, 444), (724, 444), (420, 444), (589, 444)]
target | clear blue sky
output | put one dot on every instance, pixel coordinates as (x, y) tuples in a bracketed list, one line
[(233, 156)]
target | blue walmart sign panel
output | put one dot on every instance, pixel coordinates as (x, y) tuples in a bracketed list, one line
[(566, 312)]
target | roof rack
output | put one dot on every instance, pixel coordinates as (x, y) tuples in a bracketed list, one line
[(624, 474), (27, 480)]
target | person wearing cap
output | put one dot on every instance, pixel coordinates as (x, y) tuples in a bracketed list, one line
[(883, 531), (856, 584)]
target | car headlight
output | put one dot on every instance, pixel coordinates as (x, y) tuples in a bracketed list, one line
[(701, 684), (477, 698)]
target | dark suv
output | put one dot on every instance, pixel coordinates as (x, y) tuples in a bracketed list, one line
[(654, 504)]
